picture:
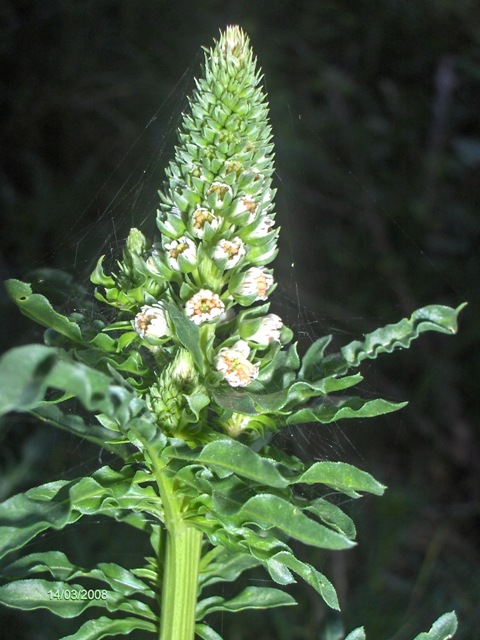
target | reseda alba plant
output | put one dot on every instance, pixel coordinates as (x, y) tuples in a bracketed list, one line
[(186, 386)]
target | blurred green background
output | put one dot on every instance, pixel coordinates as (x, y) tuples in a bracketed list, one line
[(375, 110)]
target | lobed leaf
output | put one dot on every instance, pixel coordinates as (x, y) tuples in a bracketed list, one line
[(96, 433), (301, 391), (27, 372), (350, 408), (38, 308), (400, 335)]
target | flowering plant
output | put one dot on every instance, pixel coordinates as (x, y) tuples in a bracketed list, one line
[(186, 387)]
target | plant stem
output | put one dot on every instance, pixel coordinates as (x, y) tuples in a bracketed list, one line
[(180, 569), (180, 583)]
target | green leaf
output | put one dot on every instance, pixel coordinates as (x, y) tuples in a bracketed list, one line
[(311, 361), (38, 308), (234, 400), (266, 511), (103, 437), (350, 408), (399, 335), (103, 627), (302, 390), (229, 456), (226, 568), (334, 517), (99, 277), (41, 594), (28, 372), (249, 598), (205, 632), (313, 577), (59, 567), (342, 477), (22, 376), (444, 628), (57, 504), (188, 334)]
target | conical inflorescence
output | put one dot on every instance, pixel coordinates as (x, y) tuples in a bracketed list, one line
[(218, 233)]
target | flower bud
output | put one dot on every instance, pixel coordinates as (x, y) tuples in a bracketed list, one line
[(268, 331), (255, 284), (202, 217), (181, 254), (240, 425), (136, 242), (229, 253), (152, 322), (182, 370), (235, 366)]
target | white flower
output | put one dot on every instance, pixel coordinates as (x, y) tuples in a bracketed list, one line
[(235, 366), (204, 306), (200, 217), (268, 331), (183, 246), (152, 321), (232, 250), (256, 282)]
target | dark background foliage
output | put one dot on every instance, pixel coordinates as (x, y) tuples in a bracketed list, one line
[(374, 107)]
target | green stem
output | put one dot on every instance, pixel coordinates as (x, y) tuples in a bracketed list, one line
[(182, 559), (180, 583)]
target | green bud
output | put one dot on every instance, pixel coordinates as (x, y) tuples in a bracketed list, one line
[(177, 397), (136, 242)]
